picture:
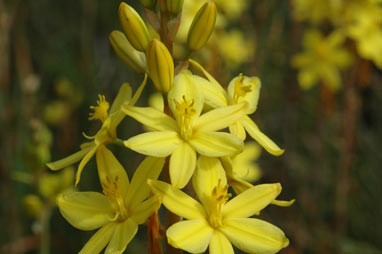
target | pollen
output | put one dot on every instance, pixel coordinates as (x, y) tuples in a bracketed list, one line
[(111, 189), (240, 88), (219, 197), (185, 111), (101, 110)]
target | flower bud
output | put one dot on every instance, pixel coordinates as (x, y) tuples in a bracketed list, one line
[(160, 65), (149, 4), (202, 26), (174, 6), (134, 27), (129, 55)]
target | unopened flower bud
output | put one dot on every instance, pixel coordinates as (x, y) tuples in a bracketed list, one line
[(202, 26), (174, 6), (129, 55), (149, 4), (160, 65), (134, 27)]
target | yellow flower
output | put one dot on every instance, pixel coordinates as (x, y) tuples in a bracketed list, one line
[(216, 223), (189, 132), (240, 89), (315, 11), (322, 59), (118, 211), (110, 120)]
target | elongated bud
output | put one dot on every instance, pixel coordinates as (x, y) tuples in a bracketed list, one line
[(134, 27), (160, 65), (202, 26), (174, 6), (149, 4), (129, 55)]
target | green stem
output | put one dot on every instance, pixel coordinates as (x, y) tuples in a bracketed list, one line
[(45, 233), (118, 142)]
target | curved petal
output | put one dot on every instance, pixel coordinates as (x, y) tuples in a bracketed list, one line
[(191, 235), (220, 118), (209, 174), (149, 168), (220, 244), (123, 234), (254, 236), (251, 201), (99, 240), (157, 143), (139, 91), (151, 117), (260, 137), (85, 210), (216, 144), (177, 201), (71, 159), (109, 169), (238, 130), (83, 162), (182, 165), (123, 96), (213, 96), (144, 210)]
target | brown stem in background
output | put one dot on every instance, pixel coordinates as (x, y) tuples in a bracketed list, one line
[(154, 236), (164, 32)]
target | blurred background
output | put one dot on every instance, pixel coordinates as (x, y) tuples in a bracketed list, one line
[(320, 65)]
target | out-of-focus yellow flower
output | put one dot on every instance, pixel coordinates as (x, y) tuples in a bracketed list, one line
[(189, 132), (118, 211), (51, 185), (33, 205), (216, 222), (174, 6), (240, 89), (160, 65), (243, 163), (322, 60), (232, 9), (110, 120), (316, 11), (364, 25)]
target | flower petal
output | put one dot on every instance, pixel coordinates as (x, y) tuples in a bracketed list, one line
[(182, 165), (209, 173), (123, 234), (216, 144), (220, 118), (149, 168), (238, 130), (85, 210), (109, 169), (251, 201), (144, 210), (260, 137), (213, 96), (99, 240), (220, 244), (151, 117), (83, 162), (191, 235), (139, 91), (71, 159), (123, 96), (254, 236), (177, 201), (157, 143)]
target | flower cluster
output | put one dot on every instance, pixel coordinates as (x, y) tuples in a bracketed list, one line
[(186, 129)]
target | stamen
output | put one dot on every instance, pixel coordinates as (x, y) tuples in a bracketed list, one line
[(185, 111), (219, 197), (111, 189), (100, 111), (240, 89)]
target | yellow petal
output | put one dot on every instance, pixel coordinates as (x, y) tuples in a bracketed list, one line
[(260, 137), (283, 203), (144, 210), (85, 210), (182, 165), (99, 240), (139, 91), (191, 235), (71, 159), (123, 96), (151, 117), (158, 144), (149, 168), (109, 169), (238, 130), (83, 162), (253, 84), (213, 96), (156, 101), (209, 173), (254, 236), (251, 201), (177, 201), (220, 244), (220, 118), (216, 144), (123, 234)]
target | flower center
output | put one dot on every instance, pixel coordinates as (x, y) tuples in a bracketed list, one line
[(111, 189), (185, 112), (240, 89), (219, 197), (100, 111)]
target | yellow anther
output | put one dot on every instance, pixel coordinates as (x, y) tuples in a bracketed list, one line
[(185, 110), (219, 197), (111, 189), (240, 89), (101, 110)]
